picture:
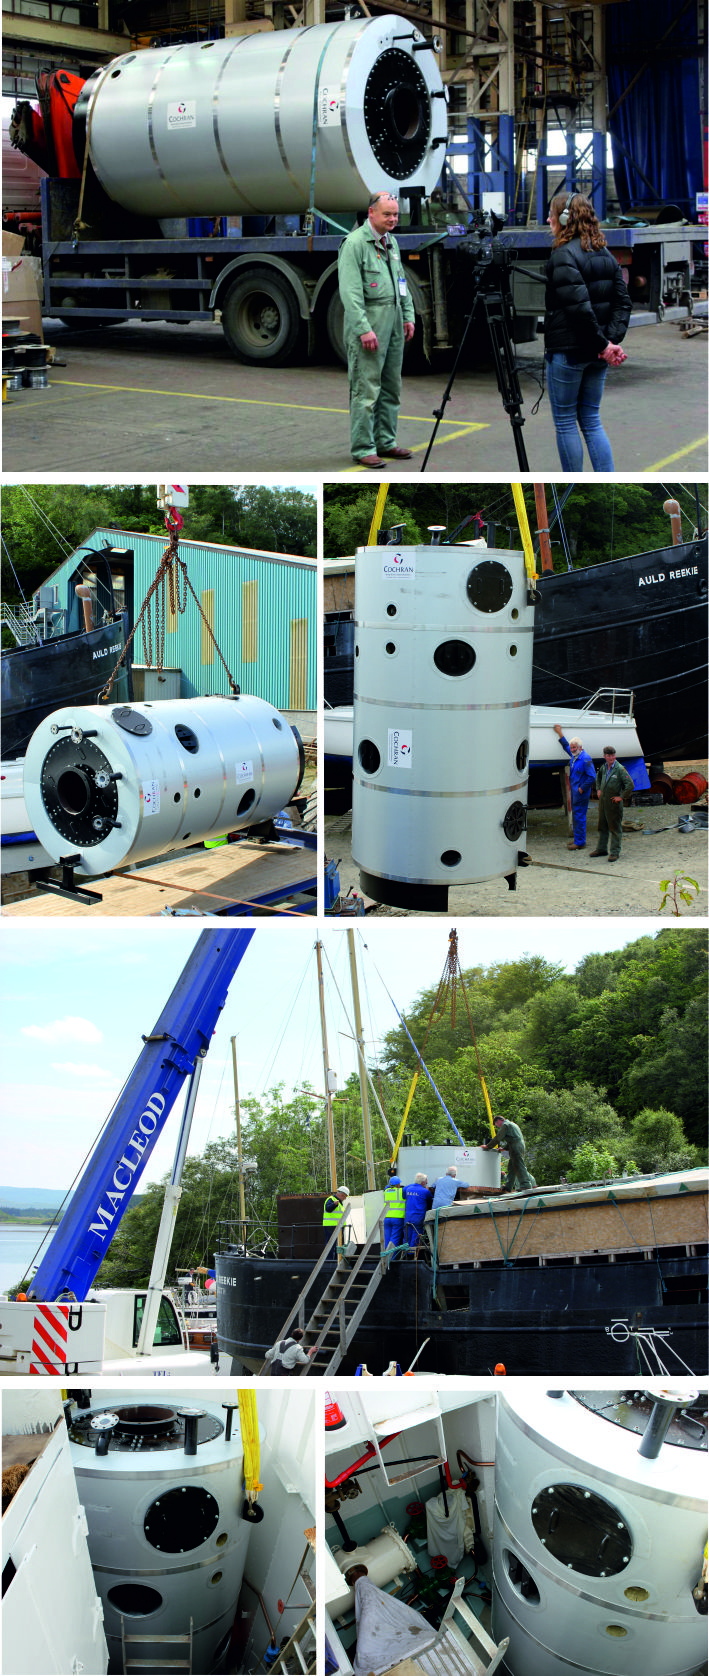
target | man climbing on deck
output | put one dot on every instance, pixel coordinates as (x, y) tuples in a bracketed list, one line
[(508, 1135), (418, 1199)]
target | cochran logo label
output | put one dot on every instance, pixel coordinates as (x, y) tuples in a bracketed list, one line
[(244, 771), (151, 797), (394, 566), (329, 113), (183, 114), (399, 747)]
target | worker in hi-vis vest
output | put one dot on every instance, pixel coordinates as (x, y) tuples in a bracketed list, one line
[(332, 1213), (395, 1211)]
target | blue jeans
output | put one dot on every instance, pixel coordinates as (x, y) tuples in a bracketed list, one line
[(575, 391)]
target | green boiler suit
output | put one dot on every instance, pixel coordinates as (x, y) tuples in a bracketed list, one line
[(374, 301)]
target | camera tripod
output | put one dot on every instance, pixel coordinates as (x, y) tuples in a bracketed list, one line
[(493, 292)]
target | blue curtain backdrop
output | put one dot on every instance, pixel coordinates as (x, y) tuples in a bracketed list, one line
[(659, 122)]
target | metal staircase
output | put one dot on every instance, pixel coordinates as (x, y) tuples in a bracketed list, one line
[(455, 1654), (342, 1305), (18, 619)]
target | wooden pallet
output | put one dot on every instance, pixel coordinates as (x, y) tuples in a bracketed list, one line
[(211, 880)]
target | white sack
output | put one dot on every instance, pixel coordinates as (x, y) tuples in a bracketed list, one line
[(387, 1630), (446, 1535)]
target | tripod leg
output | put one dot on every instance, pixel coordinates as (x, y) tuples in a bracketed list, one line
[(438, 412), (505, 369)]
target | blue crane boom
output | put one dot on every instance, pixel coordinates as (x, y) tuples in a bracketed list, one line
[(180, 1037)]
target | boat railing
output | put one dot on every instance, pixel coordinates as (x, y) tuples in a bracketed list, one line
[(18, 620), (615, 699)]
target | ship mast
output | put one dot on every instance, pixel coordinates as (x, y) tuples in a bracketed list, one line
[(326, 1069), (364, 1092), (240, 1161)]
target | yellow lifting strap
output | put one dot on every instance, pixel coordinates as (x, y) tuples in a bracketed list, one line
[(407, 1109), (248, 1420), (488, 1107), (524, 531), (379, 505)]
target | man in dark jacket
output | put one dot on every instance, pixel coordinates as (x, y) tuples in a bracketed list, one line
[(613, 784), (587, 313)]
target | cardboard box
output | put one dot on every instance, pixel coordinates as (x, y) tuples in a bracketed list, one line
[(20, 296)]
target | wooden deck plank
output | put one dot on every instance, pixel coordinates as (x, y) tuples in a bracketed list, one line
[(211, 880)]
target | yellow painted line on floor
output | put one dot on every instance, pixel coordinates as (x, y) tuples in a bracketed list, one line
[(239, 401), (451, 436), (659, 465)]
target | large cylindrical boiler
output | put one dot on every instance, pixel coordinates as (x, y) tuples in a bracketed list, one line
[(121, 783), (226, 127), (162, 1491), (442, 691), (596, 1548)]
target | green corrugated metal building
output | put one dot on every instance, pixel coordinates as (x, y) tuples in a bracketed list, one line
[(261, 606)]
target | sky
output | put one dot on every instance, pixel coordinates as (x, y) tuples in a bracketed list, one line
[(77, 998)]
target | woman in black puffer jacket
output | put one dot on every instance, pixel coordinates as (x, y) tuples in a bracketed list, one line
[(587, 314)]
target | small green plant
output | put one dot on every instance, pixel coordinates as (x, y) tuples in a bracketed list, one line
[(676, 887)]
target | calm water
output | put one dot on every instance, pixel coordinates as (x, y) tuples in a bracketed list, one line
[(17, 1248)]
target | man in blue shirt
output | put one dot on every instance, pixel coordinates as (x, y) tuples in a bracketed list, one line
[(582, 779), (445, 1188)]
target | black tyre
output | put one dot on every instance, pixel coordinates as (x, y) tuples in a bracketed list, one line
[(261, 319), (335, 327)]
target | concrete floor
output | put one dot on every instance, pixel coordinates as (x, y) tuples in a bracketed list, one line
[(151, 395), (560, 883)]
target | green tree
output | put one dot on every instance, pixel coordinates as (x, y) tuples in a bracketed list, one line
[(658, 1141)]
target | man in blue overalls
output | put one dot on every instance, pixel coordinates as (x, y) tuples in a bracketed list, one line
[(582, 779), (419, 1199)]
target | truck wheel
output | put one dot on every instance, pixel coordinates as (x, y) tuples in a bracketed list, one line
[(335, 327), (261, 319)]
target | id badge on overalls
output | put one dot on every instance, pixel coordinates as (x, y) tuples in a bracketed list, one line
[(402, 285)]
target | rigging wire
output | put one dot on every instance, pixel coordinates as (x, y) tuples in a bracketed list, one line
[(51, 527), (25, 601)]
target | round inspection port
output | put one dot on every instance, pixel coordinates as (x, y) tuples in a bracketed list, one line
[(368, 756), (451, 858), (247, 800)]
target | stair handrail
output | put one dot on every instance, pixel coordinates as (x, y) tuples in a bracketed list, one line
[(352, 1276), (485, 1643), (298, 1309)]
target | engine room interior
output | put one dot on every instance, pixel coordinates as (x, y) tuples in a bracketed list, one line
[(515, 1529), (168, 1530)]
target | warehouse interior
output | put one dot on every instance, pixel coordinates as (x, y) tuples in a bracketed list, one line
[(452, 1502), (208, 313)]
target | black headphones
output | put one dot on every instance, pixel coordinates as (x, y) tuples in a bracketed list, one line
[(564, 217)]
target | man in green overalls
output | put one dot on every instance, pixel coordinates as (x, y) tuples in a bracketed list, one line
[(614, 785), (508, 1135), (379, 320)]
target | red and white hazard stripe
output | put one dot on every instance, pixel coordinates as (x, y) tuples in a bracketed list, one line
[(49, 1338)]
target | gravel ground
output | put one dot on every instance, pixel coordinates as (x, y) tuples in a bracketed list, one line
[(565, 882)]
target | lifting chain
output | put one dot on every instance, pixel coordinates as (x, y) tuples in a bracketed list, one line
[(170, 586)]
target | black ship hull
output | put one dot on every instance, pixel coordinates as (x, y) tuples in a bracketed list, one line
[(72, 669), (637, 622), (552, 1319)]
